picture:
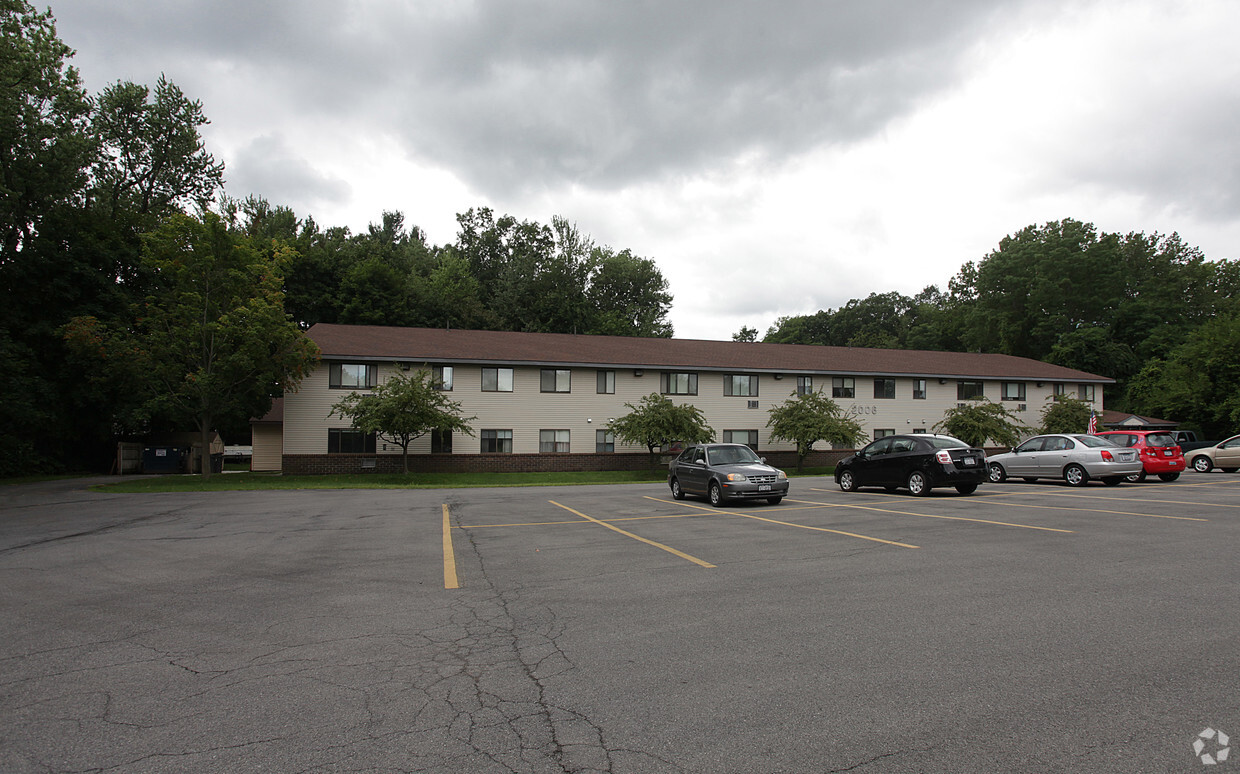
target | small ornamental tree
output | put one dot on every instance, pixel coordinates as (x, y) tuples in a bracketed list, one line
[(401, 409), (658, 421), (810, 417), (982, 420), (1065, 414)]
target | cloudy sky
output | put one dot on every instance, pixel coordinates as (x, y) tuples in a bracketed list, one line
[(773, 158)]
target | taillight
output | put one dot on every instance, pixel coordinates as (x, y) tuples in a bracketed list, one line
[(943, 456), (1106, 455)]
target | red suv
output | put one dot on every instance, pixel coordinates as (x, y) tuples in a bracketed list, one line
[(1159, 452)]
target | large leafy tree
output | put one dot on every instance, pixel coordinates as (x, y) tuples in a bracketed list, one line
[(811, 417), (45, 140), (211, 341), (405, 407), (657, 421)]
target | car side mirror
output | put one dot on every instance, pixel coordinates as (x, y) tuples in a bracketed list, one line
[(762, 460)]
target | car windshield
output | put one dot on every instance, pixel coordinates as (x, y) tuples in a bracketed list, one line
[(1159, 439), (1094, 441), (945, 442), (732, 455)]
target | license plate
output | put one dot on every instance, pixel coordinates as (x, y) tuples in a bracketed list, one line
[(1166, 454), (764, 487), (967, 461)]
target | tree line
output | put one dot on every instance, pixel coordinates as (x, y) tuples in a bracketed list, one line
[(1148, 310), (137, 297)]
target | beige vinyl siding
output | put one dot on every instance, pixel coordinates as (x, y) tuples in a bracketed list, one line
[(268, 447)]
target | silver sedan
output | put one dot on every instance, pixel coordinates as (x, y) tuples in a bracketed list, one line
[(1074, 458)]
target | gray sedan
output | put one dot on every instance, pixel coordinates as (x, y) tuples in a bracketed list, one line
[(1074, 458), (725, 471)]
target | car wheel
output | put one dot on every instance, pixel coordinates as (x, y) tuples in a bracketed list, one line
[(997, 474), (1168, 476), (1115, 480), (1136, 478), (774, 500), (716, 494), (917, 484), (677, 492), (1075, 475), (847, 482), (1202, 464), (966, 488)]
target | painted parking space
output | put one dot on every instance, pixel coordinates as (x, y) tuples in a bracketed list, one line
[(817, 508)]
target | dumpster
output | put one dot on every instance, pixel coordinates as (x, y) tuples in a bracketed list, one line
[(161, 459)]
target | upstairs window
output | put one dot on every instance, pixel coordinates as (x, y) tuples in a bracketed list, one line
[(679, 383), (843, 387), (441, 378), (556, 380), (740, 384), (968, 390), (885, 388), (606, 382), (1013, 391), (352, 376), (805, 385), (1085, 392), (497, 380), (919, 389)]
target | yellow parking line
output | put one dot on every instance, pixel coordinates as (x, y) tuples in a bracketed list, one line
[(949, 518), (784, 523), (450, 581), (669, 549)]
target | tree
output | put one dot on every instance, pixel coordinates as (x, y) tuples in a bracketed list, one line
[(746, 334), (1065, 414), (401, 409), (45, 143), (212, 340), (657, 421), (810, 417), (628, 296), (982, 420), (153, 159)]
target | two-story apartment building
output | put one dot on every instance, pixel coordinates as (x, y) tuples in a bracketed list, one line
[(543, 400)]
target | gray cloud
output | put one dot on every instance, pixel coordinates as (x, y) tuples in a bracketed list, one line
[(268, 167)]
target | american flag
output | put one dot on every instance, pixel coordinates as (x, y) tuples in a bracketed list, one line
[(1093, 422)]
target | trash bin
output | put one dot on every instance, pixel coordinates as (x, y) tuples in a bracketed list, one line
[(161, 459), (217, 463)]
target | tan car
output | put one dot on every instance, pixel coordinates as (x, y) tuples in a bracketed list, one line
[(1224, 455)]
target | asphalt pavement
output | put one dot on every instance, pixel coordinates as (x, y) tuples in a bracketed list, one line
[(1024, 628)]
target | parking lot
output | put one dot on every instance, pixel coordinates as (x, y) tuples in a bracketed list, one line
[(1027, 627)]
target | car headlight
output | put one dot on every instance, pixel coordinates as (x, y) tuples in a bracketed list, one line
[(782, 474), (736, 477)]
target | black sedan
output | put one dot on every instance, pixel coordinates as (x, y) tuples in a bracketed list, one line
[(917, 462), (725, 471)]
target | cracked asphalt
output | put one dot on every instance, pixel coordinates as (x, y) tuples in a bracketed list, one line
[(1028, 628)]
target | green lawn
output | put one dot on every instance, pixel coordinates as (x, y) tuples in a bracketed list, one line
[(263, 481)]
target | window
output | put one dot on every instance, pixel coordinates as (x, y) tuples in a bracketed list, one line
[(604, 441), (885, 388), (919, 389), (441, 378), (747, 437), (556, 380), (552, 441), (805, 385), (679, 383), (1085, 392), (1013, 391), (843, 387), (497, 442), (919, 431), (740, 384), (441, 442), (497, 380), (606, 382), (348, 376), (1060, 389), (883, 433), (346, 440), (970, 390)]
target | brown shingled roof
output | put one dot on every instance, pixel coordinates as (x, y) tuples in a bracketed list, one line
[(435, 345)]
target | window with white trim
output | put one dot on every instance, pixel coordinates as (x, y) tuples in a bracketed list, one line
[(497, 380), (552, 441)]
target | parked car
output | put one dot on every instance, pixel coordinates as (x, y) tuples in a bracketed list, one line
[(1188, 440), (1224, 455), (1074, 458), (1159, 452), (725, 471), (917, 462)]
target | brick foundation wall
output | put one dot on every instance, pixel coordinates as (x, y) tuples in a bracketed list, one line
[(321, 464)]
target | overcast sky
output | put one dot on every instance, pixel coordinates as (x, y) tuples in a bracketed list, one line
[(773, 158)]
